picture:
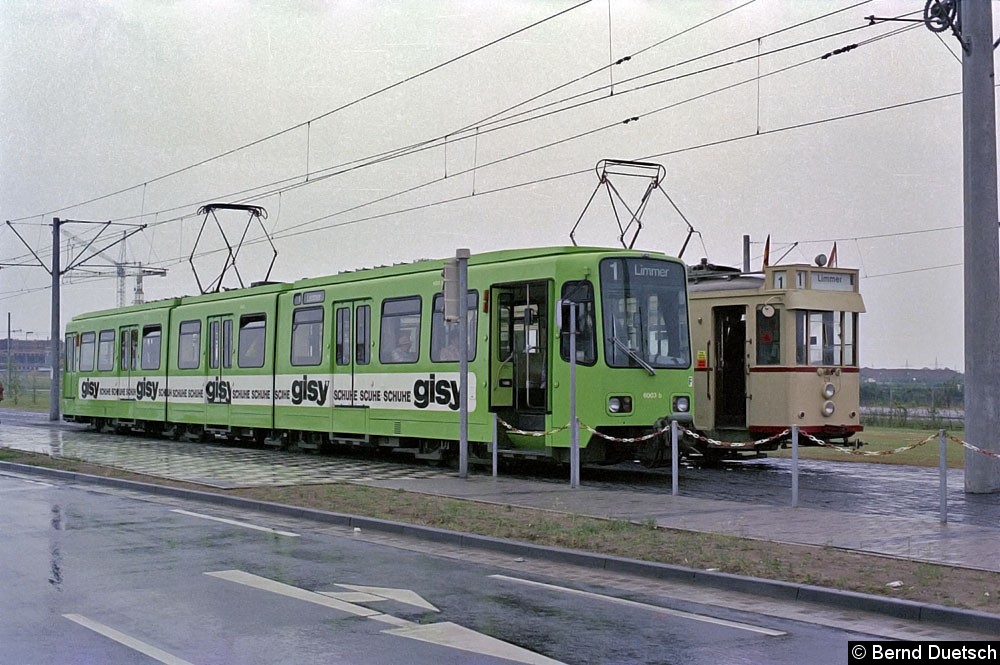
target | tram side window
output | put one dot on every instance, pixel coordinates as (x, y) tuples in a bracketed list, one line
[(343, 353), (446, 345), (768, 336), (581, 293), (128, 355), (505, 343), (71, 340), (307, 336), (848, 330), (362, 335), (399, 335), (253, 336), (825, 338), (106, 351), (189, 345), (227, 343), (151, 347), (220, 344), (87, 346)]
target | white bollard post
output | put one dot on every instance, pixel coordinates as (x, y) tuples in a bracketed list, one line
[(795, 465), (574, 424), (674, 458), (496, 443), (943, 454)]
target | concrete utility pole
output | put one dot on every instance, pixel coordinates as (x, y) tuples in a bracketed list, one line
[(982, 257), (56, 270), (56, 329)]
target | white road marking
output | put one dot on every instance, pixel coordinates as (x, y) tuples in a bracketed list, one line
[(446, 634), (391, 620), (264, 584), (352, 596), (652, 608), (245, 525), (388, 593), (127, 640), (465, 639), (35, 484)]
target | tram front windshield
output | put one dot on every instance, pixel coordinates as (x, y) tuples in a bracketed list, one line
[(644, 302)]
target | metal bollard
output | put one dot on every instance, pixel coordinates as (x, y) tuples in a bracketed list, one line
[(674, 458), (496, 443), (943, 472), (795, 466)]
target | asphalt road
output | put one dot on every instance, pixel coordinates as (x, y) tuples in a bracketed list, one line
[(100, 576)]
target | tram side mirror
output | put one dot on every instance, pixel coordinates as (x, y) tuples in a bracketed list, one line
[(767, 311)]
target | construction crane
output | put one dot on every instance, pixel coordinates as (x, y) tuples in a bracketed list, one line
[(122, 269)]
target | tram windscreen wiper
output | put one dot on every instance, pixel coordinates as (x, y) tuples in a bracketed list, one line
[(633, 355)]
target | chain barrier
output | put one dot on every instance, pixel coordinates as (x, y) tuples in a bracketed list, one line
[(735, 445), (637, 439), (966, 444), (867, 453), (515, 430), (743, 445)]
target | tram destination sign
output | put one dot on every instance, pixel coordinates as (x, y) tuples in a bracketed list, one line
[(832, 281)]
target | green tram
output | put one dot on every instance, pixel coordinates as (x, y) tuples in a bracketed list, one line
[(366, 357)]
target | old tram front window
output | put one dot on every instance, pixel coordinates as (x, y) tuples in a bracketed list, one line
[(825, 338)]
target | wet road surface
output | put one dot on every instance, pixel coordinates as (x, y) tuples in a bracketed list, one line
[(100, 576)]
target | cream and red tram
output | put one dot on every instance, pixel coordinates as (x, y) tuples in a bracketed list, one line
[(772, 350)]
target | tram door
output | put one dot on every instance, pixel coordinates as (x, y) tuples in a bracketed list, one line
[(352, 389), (519, 359), (128, 362), (69, 377), (730, 366), (218, 386)]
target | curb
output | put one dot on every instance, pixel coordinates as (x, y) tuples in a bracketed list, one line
[(941, 615)]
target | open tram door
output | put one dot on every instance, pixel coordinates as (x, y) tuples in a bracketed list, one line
[(352, 388), (730, 370), (519, 357)]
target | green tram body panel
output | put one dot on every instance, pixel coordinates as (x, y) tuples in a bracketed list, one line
[(314, 355), (121, 383)]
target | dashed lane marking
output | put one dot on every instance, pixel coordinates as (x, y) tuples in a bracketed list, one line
[(245, 525), (127, 640), (652, 608), (27, 483)]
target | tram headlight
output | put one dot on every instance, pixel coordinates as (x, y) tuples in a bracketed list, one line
[(620, 404), (682, 404), (828, 409), (829, 390)]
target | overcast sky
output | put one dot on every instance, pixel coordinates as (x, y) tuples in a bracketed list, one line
[(147, 106)]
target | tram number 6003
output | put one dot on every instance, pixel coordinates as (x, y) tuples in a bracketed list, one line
[(652, 395)]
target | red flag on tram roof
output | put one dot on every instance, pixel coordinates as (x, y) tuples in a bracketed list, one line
[(833, 257)]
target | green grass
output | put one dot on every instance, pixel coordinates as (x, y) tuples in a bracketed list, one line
[(30, 392), (884, 439)]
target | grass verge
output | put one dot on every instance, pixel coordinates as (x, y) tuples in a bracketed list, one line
[(885, 439)]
